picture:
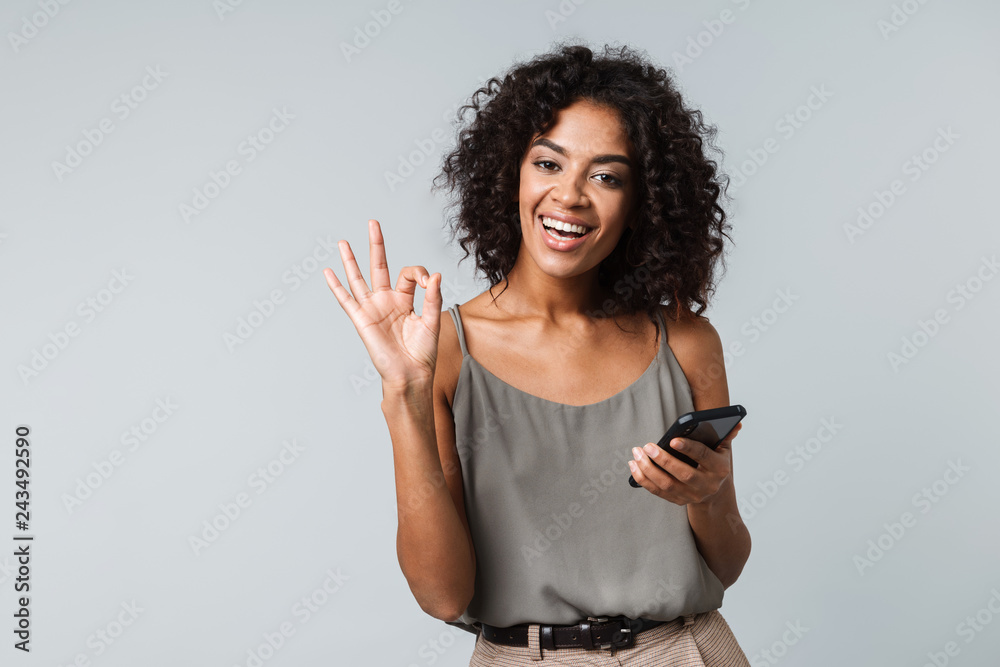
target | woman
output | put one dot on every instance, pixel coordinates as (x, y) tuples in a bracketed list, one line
[(582, 187)]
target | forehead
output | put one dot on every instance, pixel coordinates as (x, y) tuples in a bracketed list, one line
[(585, 127)]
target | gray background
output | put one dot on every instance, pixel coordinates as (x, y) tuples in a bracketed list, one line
[(304, 374)]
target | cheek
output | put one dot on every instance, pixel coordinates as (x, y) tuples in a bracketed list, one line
[(614, 209), (529, 185), (529, 196)]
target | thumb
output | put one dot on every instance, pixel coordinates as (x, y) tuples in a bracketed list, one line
[(431, 310)]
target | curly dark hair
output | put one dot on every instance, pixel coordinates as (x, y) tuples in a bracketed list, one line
[(671, 253)]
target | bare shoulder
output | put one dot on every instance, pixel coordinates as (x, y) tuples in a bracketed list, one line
[(697, 347), (690, 334)]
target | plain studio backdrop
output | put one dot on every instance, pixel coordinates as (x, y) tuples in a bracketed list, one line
[(211, 476)]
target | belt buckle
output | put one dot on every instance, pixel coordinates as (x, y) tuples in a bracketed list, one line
[(628, 638)]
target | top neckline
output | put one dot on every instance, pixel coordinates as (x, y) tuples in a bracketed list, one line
[(649, 369)]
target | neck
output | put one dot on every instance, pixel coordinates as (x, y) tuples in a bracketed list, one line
[(531, 293)]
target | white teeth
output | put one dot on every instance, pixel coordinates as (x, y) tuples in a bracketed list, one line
[(564, 226), (556, 236)]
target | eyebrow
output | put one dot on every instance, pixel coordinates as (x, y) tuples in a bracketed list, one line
[(599, 159)]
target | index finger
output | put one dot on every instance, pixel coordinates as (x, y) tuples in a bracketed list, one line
[(732, 434), (693, 449)]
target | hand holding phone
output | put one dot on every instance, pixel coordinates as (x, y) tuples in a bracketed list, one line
[(709, 427)]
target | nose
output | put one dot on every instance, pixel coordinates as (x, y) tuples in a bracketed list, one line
[(569, 190)]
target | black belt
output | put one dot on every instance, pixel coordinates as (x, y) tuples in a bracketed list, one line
[(595, 632)]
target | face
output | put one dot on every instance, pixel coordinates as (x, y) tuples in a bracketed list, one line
[(579, 173)]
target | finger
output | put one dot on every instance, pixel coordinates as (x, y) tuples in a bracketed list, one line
[(666, 466), (732, 434), (727, 444), (376, 251), (409, 278), (694, 450), (431, 313), (656, 477), (724, 447), (639, 476), (347, 301), (359, 287)]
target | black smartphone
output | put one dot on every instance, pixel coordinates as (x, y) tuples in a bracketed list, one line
[(709, 427)]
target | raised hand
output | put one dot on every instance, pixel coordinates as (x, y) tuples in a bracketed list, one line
[(401, 344)]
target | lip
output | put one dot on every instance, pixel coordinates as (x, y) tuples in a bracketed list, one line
[(560, 244)]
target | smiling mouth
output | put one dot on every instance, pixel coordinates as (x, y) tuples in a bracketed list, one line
[(563, 230)]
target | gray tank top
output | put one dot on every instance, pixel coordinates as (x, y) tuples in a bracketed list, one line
[(559, 532)]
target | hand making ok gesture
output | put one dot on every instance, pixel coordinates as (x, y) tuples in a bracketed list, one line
[(401, 344)]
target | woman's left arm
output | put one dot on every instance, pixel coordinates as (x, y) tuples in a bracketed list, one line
[(708, 490)]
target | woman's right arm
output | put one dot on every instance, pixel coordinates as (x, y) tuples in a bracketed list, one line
[(433, 541)]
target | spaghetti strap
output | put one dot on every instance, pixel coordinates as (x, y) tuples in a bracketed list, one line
[(458, 327)]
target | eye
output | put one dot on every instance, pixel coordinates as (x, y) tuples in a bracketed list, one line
[(613, 180), (607, 179)]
